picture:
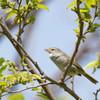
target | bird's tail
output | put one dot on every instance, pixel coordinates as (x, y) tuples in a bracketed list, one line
[(93, 80)]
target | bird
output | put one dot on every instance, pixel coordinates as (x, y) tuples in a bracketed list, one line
[(61, 59)]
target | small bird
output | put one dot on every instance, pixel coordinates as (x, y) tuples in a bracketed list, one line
[(61, 60)]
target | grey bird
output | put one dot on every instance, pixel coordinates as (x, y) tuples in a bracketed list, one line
[(61, 60)]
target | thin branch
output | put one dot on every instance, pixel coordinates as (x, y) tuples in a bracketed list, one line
[(21, 53), (27, 55), (72, 83), (95, 15), (77, 43), (96, 94), (21, 27), (27, 88), (63, 86)]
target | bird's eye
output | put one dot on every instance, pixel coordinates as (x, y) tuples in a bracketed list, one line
[(52, 49)]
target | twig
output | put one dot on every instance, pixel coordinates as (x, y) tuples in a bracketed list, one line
[(77, 43), (95, 15), (96, 94), (20, 22), (27, 55), (21, 53), (21, 27), (18, 91), (63, 86), (72, 83)]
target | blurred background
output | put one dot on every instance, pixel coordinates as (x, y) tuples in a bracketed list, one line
[(54, 29)]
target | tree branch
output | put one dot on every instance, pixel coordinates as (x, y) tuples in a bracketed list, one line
[(21, 53), (95, 15), (96, 94), (18, 91), (77, 43), (63, 86), (72, 83)]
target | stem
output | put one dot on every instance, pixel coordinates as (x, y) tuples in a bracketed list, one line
[(21, 53), (77, 43), (72, 84), (27, 88)]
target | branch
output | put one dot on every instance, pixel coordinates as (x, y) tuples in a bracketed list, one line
[(63, 86), (95, 15), (77, 44), (18, 91), (27, 55), (21, 53), (96, 94), (72, 84)]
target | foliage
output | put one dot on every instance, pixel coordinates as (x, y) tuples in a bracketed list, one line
[(21, 12), (17, 77), (90, 24), (86, 15), (16, 97), (94, 64), (22, 16)]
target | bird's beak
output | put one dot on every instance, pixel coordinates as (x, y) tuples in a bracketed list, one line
[(47, 50)]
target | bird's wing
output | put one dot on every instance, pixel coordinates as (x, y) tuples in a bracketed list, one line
[(75, 63)]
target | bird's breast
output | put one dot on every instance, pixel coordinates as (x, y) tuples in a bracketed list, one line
[(60, 61)]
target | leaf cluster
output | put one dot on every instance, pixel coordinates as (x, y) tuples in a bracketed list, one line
[(94, 64), (17, 77), (85, 12), (21, 11)]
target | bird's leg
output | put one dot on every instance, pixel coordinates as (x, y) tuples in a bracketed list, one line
[(68, 78), (72, 84)]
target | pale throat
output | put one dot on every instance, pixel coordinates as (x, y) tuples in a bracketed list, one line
[(54, 56)]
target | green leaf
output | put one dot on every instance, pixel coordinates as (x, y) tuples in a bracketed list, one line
[(90, 2), (11, 14), (84, 25), (83, 10), (13, 4), (7, 11), (39, 0), (3, 76), (23, 74), (18, 20), (11, 77), (73, 3), (3, 83), (16, 96), (76, 30), (42, 7), (43, 96), (31, 19), (22, 60), (3, 68), (24, 65), (10, 63), (91, 64), (2, 60), (27, 1), (39, 90), (36, 76), (96, 24), (86, 7)]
